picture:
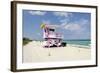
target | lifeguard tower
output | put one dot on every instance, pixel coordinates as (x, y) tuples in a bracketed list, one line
[(51, 37)]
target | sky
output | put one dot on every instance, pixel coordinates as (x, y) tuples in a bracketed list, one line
[(72, 25)]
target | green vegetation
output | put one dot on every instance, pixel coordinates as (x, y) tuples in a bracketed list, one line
[(26, 41)]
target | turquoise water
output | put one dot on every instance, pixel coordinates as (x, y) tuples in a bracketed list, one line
[(78, 42)]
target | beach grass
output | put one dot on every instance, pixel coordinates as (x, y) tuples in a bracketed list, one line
[(26, 41)]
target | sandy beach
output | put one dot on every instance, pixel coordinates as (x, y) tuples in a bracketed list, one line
[(34, 52)]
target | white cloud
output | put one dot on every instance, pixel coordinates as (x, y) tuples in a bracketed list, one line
[(75, 26), (72, 27), (48, 23), (84, 21), (64, 20), (63, 14), (37, 12), (64, 25)]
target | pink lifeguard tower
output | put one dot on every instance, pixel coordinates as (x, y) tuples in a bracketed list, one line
[(51, 37)]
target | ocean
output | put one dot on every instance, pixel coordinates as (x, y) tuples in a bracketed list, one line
[(79, 43)]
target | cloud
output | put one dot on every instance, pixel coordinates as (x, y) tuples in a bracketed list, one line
[(84, 21), (77, 29), (62, 14), (37, 12), (72, 27), (75, 25), (64, 20), (48, 23)]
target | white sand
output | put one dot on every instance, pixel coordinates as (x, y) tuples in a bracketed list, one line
[(34, 52)]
